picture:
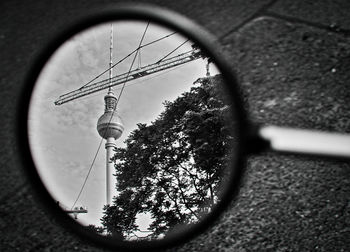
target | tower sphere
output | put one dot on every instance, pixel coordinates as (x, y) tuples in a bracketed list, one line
[(110, 124)]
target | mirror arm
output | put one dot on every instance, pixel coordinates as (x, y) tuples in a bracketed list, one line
[(299, 141), (255, 144)]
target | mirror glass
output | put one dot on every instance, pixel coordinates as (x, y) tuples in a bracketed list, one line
[(131, 130)]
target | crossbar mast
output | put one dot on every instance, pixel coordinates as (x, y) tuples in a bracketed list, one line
[(134, 74)]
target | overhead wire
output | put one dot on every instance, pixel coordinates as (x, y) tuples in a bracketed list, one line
[(133, 61), (172, 52), (88, 174)]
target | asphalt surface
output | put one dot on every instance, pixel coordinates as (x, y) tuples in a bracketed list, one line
[(292, 61)]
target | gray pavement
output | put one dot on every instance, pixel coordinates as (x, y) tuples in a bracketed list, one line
[(292, 59)]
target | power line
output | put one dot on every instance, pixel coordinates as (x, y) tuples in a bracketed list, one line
[(88, 174), (172, 51), (127, 76)]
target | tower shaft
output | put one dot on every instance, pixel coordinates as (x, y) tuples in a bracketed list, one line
[(110, 144)]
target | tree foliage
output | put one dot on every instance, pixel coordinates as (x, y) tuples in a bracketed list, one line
[(172, 169), (96, 229)]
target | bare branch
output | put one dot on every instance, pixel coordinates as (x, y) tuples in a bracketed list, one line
[(174, 201), (185, 201), (193, 177)]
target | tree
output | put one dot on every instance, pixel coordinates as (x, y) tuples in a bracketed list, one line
[(96, 229), (172, 169)]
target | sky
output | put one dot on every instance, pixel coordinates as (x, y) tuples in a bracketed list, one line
[(64, 139)]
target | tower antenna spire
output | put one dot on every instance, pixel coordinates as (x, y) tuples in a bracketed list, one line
[(111, 60)]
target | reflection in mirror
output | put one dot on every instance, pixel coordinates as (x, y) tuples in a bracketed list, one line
[(138, 143)]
